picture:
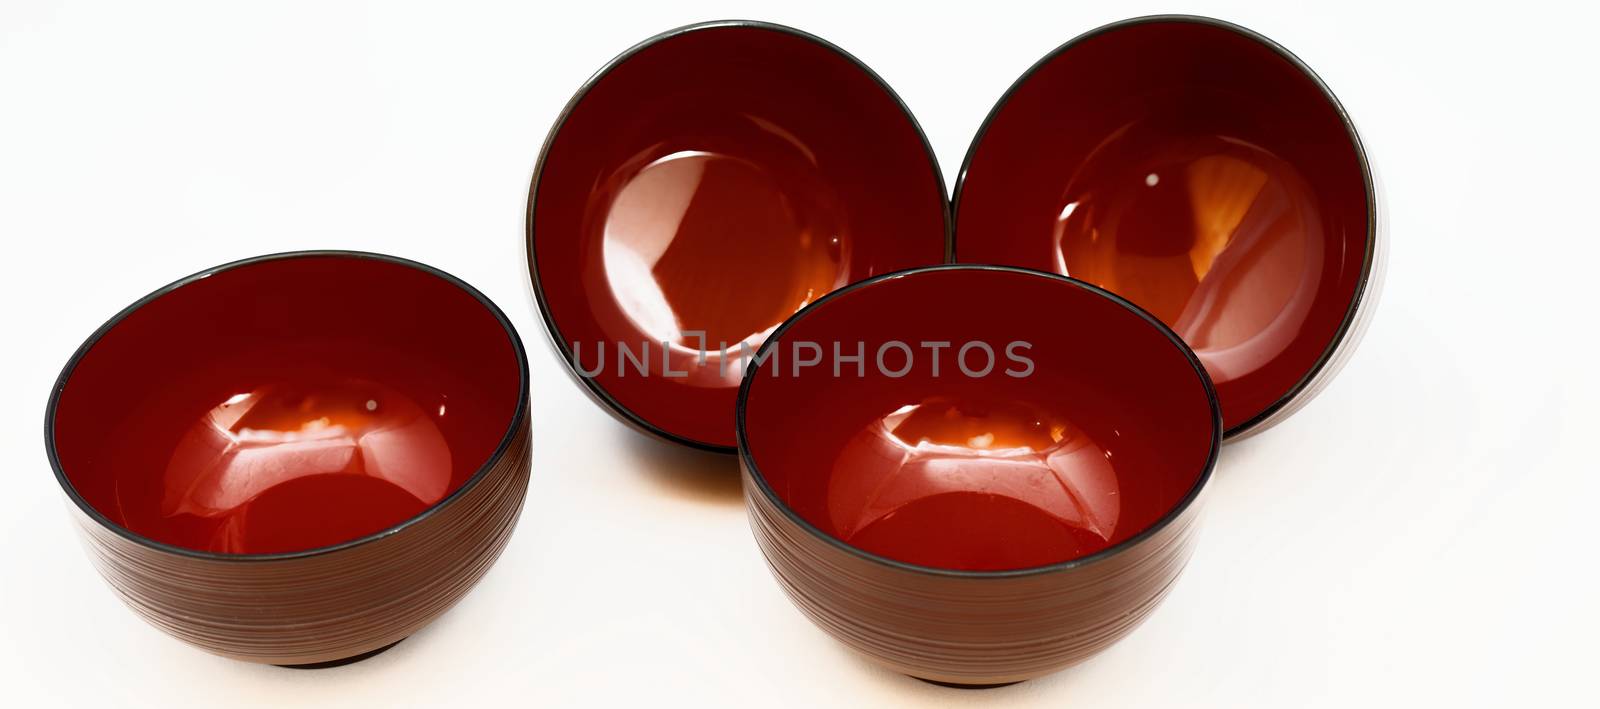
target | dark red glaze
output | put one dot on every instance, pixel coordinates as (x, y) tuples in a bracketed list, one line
[(704, 187), (287, 404), (1087, 424), (1196, 169)]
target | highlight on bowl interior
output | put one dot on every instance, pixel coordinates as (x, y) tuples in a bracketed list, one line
[(937, 451), (686, 204), (296, 459), (966, 520), (1203, 172), (285, 405)]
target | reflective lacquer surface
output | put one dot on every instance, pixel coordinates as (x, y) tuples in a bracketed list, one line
[(708, 252), (701, 190), (1219, 238), (300, 465), (1197, 171), (1025, 486), (1104, 434), (286, 405)]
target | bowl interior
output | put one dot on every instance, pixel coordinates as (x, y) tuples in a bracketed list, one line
[(1196, 170), (286, 404), (702, 189), (1087, 424)]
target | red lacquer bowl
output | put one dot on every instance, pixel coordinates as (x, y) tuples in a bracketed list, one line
[(1204, 173), (700, 189), (976, 474), (296, 459)]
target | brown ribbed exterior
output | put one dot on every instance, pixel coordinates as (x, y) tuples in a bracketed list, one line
[(325, 606), (975, 629)]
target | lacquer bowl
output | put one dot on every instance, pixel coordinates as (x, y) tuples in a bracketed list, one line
[(297, 459), (700, 189), (975, 475), (1203, 172)]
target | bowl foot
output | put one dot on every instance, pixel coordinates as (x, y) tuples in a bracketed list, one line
[(958, 685), (343, 661)]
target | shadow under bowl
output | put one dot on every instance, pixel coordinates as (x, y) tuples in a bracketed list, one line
[(976, 475), (1203, 172), (296, 459), (700, 189)]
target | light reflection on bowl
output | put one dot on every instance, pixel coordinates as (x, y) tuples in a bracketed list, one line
[(964, 523), (296, 459), (1204, 173), (701, 188)]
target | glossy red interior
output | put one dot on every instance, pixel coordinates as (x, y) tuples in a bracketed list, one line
[(705, 188), (1194, 170), (287, 404), (1110, 430)]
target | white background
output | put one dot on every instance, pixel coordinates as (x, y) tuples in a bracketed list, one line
[(1420, 535)]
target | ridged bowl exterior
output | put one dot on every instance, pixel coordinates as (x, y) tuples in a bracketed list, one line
[(324, 606), (970, 629)]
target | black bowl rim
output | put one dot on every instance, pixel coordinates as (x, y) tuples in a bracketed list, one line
[(1177, 510), (589, 385), (1357, 300), (518, 417)]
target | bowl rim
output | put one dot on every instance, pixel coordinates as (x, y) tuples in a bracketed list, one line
[(518, 417), (1177, 510), (592, 388), (1364, 289)]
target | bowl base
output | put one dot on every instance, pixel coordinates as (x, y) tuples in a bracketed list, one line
[(343, 661), (958, 685)]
